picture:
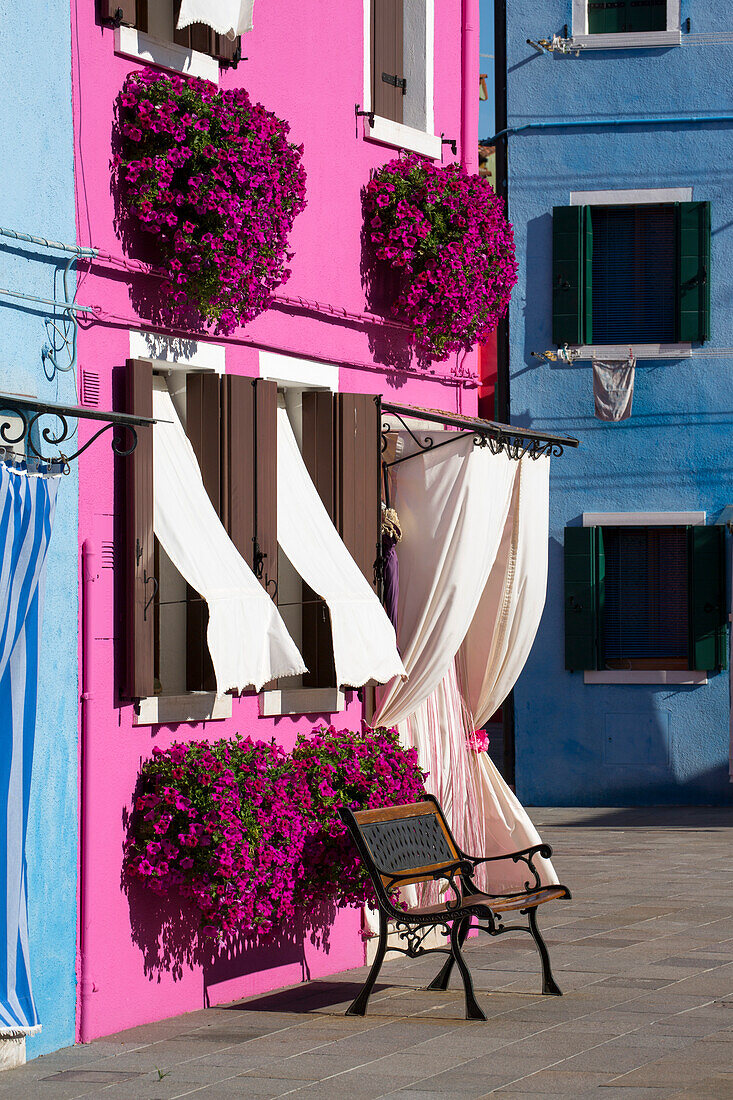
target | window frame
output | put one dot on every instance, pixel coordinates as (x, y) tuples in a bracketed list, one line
[(397, 134), (644, 676), (632, 197), (672, 36), (130, 41)]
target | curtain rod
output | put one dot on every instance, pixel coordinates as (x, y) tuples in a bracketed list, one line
[(515, 442)]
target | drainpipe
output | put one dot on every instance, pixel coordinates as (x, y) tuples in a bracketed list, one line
[(90, 574), (469, 74)]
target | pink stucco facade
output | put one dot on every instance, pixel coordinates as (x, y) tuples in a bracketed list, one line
[(306, 63)]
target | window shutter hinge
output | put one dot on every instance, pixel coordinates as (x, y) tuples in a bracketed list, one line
[(395, 81)]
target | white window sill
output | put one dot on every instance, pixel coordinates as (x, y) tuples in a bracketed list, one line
[(301, 701), (644, 40), (129, 42), (645, 676), (640, 351), (392, 133), (194, 706)]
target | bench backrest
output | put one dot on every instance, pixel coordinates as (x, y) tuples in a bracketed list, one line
[(412, 840)]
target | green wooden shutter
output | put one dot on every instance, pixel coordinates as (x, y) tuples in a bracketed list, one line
[(708, 634), (693, 272), (572, 253), (606, 16), (646, 15), (584, 576)]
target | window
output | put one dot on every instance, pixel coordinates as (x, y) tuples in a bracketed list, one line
[(631, 273), (623, 24), (618, 16), (641, 598), (231, 422), (146, 30), (398, 73)]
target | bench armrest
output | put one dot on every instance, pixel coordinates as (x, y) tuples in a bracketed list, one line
[(525, 856)]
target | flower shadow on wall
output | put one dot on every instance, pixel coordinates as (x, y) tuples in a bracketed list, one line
[(443, 236), (235, 849), (213, 181)]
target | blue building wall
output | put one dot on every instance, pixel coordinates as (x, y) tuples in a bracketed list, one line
[(676, 451), (37, 189)]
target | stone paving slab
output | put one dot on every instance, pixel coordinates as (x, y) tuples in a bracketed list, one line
[(643, 952)]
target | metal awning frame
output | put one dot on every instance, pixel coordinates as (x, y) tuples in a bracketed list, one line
[(514, 442), (29, 411)]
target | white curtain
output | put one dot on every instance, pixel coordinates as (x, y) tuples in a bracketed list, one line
[(453, 503), (248, 641), (467, 617), (364, 642), (227, 17)]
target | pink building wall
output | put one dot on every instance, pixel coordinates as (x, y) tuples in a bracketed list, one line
[(306, 64)]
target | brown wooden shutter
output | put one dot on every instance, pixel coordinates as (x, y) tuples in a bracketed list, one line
[(358, 491), (226, 50), (319, 455), (119, 11), (203, 419), (249, 471), (139, 540), (199, 36), (387, 63)]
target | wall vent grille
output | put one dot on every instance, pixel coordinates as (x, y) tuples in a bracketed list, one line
[(90, 388)]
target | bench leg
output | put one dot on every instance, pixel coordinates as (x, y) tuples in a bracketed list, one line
[(358, 1006), (549, 985), (473, 1011), (443, 977)]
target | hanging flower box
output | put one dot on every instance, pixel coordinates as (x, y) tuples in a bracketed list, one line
[(213, 176), (444, 232)]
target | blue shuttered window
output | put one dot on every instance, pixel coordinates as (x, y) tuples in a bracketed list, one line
[(634, 280)]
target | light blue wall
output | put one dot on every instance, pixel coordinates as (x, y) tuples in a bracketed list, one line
[(676, 451), (37, 196)]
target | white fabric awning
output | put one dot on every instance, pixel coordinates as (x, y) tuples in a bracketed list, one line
[(248, 641), (364, 642), (227, 17)]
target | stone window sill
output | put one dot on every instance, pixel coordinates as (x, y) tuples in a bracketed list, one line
[(646, 40), (273, 704), (130, 42), (392, 133), (645, 676), (194, 706)]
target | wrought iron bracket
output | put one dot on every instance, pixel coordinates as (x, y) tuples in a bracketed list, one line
[(33, 433), (450, 141), (514, 442), (364, 114)]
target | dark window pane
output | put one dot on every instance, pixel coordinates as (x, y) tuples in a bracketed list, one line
[(634, 264), (645, 609)]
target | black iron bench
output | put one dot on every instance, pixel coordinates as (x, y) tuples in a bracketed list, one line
[(400, 845)]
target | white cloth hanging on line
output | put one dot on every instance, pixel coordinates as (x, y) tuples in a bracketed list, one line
[(364, 642), (247, 639), (227, 17), (474, 550)]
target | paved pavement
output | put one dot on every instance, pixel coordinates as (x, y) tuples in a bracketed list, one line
[(643, 952)]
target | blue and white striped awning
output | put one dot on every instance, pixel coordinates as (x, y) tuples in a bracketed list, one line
[(27, 505)]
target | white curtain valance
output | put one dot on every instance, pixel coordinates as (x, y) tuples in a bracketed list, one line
[(227, 17), (248, 641), (364, 642)]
